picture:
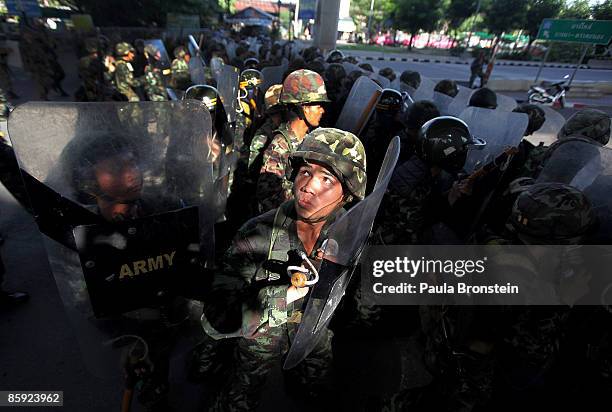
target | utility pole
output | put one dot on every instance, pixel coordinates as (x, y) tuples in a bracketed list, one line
[(370, 19)]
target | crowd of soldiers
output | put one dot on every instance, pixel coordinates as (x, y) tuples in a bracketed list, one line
[(290, 172)]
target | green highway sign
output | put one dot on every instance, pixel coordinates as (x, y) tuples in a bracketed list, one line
[(576, 31)]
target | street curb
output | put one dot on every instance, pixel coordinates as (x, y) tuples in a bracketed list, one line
[(497, 63)]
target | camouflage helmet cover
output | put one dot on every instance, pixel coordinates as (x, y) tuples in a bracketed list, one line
[(304, 86), (553, 213), (341, 151), (250, 79), (123, 48), (536, 115), (590, 123), (179, 52), (272, 96)]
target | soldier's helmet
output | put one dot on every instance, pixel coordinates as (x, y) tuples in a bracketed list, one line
[(272, 97), (590, 123), (302, 87), (91, 45), (388, 73), (251, 63), (150, 50), (444, 142), (536, 115), (179, 52), (335, 56), (552, 213), (411, 78), (390, 101), (123, 48), (205, 94), (250, 79), (342, 152), (334, 74), (447, 87), (483, 97)]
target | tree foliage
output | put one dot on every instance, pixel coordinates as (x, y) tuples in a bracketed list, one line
[(458, 11), (415, 15), (506, 15), (579, 9), (602, 11), (383, 11), (539, 10)]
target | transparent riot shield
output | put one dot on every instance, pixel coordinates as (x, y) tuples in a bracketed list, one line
[(359, 106), (500, 130), (163, 58), (350, 67), (175, 94), (425, 90), (588, 167), (547, 134), (230, 48), (505, 103), (396, 84), (228, 86), (345, 242), (442, 102), (122, 193), (381, 80), (272, 75), (197, 70), (216, 65), (460, 101)]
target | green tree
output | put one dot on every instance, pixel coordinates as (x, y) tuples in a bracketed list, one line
[(506, 15), (458, 12), (360, 12), (539, 10), (415, 15), (602, 11), (579, 9)]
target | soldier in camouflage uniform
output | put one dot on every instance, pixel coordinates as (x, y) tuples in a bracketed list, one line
[(303, 93), (91, 72), (591, 125), (530, 337), (153, 79), (124, 77), (254, 301), (181, 78), (263, 136)]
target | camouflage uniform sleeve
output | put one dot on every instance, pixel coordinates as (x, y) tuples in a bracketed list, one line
[(243, 306), (257, 144), (273, 189)]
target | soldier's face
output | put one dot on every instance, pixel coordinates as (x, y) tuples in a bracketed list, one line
[(120, 182), (316, 190), (314, 113)]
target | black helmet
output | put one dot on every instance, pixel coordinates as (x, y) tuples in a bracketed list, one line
[(388, 73), (335, 56), (485, 98), (205, 94), (536, 115), (251, 63), (444, 142), (411, 78), (390, 101), (367, 67), (447, 87)]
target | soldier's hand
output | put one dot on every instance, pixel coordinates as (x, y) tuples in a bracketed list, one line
[(459, 189), (294, 293)]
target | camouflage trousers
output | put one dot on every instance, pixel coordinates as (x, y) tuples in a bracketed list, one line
[(254, 359)]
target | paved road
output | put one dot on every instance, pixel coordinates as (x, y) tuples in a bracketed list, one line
[(462, 71)]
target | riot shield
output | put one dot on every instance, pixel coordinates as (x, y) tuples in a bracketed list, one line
[(230, 48), (381, 80), (499, 129), (350, 67), (164, 59), (122, 195), (216, 65), (272, 75), (175, 94), (227, 85), (345, 242), (505, 103), (396, 84), (547, 134), (460, 101), (359, 106), (442, 102), (587, 167), (425, 90), (197, 71)]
